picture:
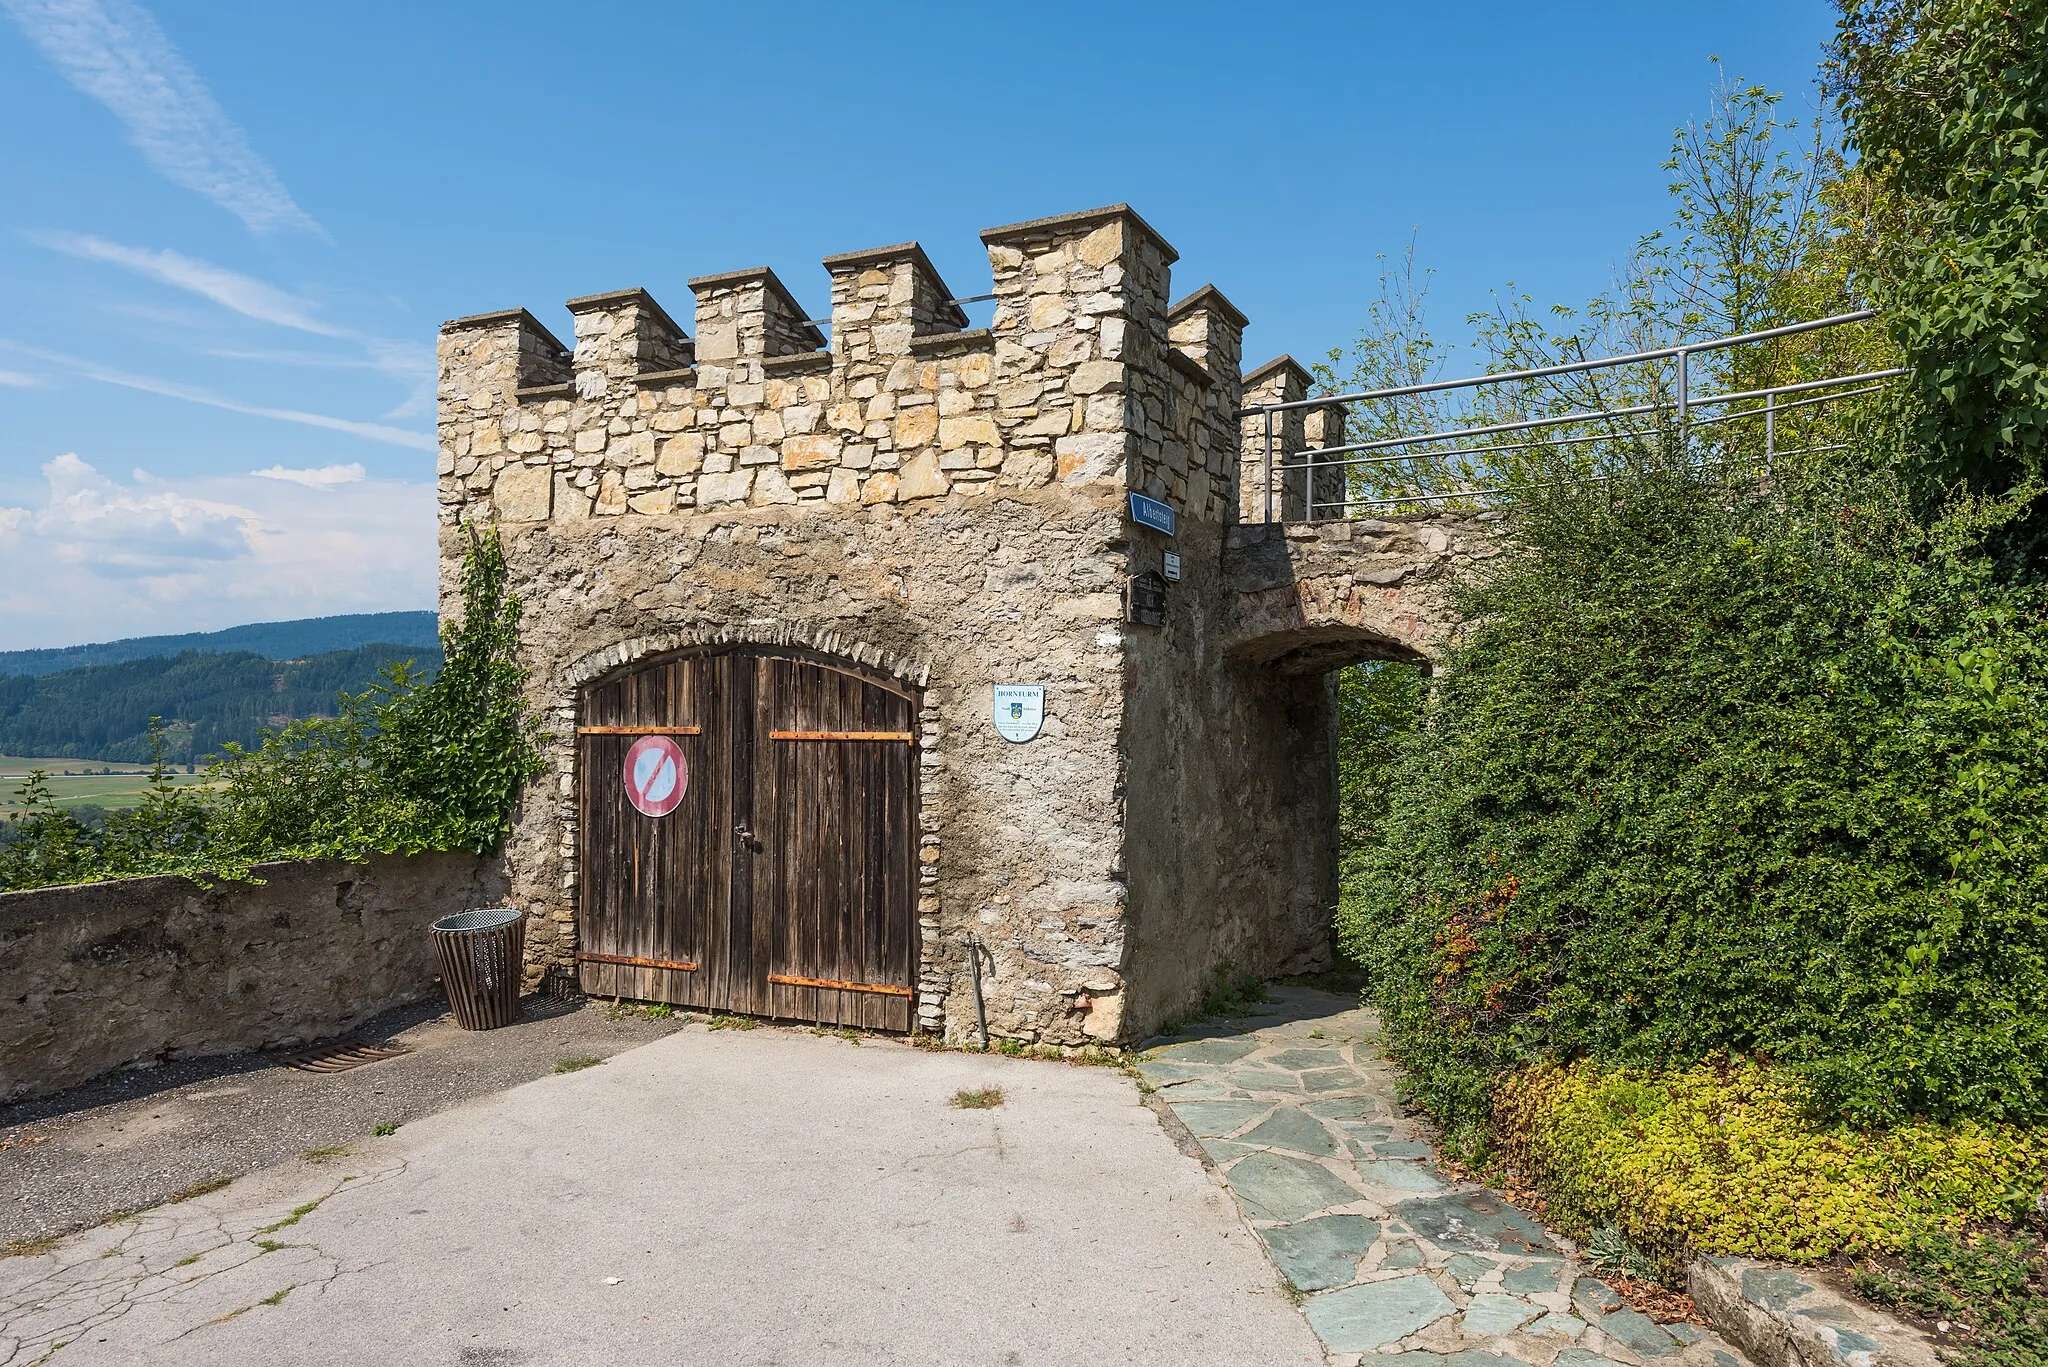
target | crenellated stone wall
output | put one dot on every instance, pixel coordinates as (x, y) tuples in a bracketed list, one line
[(948, 504)]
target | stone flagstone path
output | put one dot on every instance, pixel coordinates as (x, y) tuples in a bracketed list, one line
[(1399, 1263)]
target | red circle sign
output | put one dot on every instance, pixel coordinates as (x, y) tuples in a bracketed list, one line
[(657, 775)]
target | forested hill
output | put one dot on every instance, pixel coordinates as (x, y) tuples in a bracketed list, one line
[(273, 640), (102, 712)]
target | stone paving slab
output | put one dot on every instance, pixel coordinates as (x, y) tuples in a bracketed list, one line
[(1796, 1317), (1400, 1264)]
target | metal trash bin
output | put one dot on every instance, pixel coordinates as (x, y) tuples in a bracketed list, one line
[(481, 955)]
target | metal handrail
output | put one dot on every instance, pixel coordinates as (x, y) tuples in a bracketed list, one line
[(1775, 400), (1308, 452), (1567, 368)]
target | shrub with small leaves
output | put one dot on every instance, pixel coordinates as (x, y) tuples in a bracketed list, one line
[(1724, 1158)]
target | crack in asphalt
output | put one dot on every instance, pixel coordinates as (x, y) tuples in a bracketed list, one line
[(90, 1283)]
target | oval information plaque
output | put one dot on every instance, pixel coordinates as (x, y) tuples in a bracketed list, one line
[(1020, 710), (657, 775)]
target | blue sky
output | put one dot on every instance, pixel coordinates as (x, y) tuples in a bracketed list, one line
[(231, 228)]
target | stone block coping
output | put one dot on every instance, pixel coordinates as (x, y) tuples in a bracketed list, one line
[(1189, 366), (660, 377), (901, 251), (564, 390), (969, 340), (800, 362), (1281, 362), (640, 298), (1211, 298), (1038, 227), (1791, 1317), (499, 318)]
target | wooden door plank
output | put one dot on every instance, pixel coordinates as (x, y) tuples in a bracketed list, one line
[(744, 991), (834, 888)]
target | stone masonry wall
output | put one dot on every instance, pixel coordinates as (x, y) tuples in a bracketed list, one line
[(947, 504), (101, 975)]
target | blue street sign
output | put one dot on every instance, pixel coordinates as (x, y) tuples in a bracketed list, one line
[(1150, 512)]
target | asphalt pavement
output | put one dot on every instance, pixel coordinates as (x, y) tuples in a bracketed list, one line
[(739, 1196), (140, 1136)]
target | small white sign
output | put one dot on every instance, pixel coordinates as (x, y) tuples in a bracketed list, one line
[(1019, 711), (1173, 567)]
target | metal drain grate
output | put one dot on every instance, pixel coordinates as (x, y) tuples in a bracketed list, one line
[(342, 1055)]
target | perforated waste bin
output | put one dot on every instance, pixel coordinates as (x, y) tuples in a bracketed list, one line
[(480, 954)]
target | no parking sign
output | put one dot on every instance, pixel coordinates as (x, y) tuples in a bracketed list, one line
[(657, 775)]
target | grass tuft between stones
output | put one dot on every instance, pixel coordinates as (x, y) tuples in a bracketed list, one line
[(199, 1188), (576, 1065), (31, 1247), (978, 1098)]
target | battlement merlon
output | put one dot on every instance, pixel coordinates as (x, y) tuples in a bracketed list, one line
[(1084, 378), (1080, 325), (1208, 329), (621, 336), (745, 317), (1206, 332), (487, 359), (1283, 380), (882, 299)]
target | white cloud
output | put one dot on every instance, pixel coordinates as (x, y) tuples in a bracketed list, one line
[(300, 358), (393, 436), (320, 477), (95, 558), (90, 521), (410, 363), (114, 51), (244, 294), (14, 379)]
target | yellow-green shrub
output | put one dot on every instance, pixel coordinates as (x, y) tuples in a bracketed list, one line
[(1721, 1159)]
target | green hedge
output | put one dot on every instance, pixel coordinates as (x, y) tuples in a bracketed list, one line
[(1727, 766)]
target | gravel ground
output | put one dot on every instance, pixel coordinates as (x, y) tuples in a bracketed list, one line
[(137, 1138)]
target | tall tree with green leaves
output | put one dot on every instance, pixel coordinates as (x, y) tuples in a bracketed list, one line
[(1946, 102), (1767, 228)]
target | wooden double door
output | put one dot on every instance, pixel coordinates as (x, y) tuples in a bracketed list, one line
[(782, 881)]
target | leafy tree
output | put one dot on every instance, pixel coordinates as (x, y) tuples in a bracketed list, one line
[(406, 765), (1379, 705), (165, 831), (1767, 228), (1947, 103)]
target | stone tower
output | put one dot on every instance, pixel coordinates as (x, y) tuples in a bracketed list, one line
[(948, 509)]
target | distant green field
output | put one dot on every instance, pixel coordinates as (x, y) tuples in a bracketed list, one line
[(123, 788)]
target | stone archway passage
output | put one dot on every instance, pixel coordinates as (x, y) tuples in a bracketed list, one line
[(784, 883)]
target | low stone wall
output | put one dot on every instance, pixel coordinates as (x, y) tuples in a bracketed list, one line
[(102, 975)]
